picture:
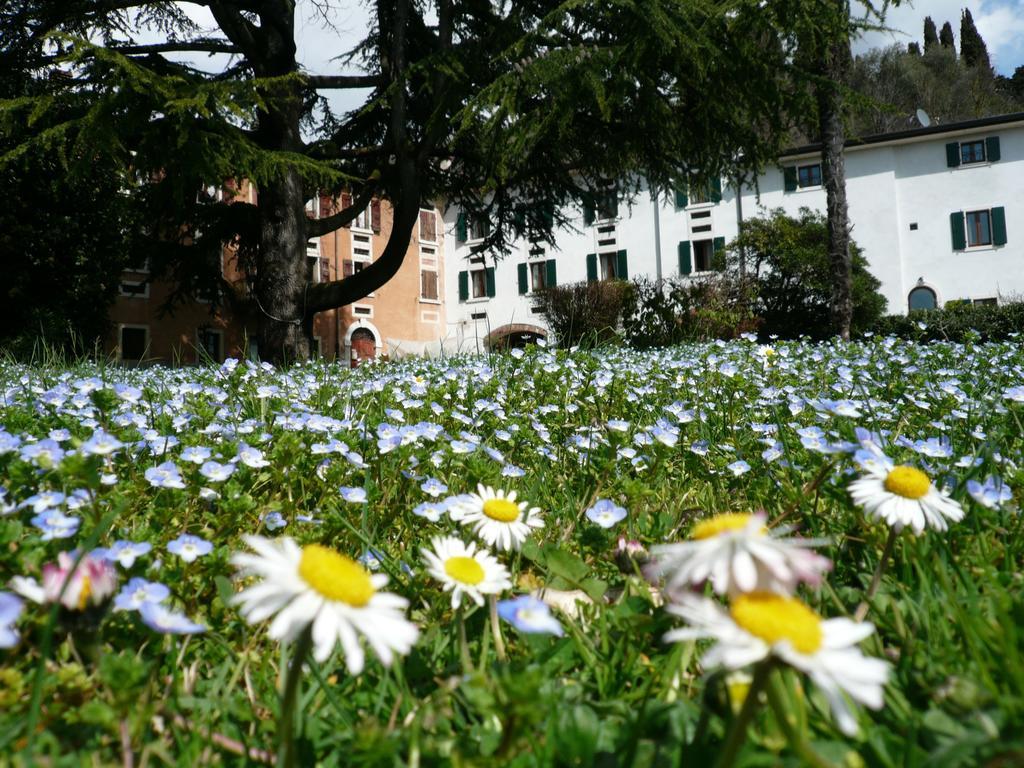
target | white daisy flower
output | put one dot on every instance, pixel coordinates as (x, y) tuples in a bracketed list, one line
[(738, 553), (464, 570), (903, 496), (763, 624), (496, 517), (314, 585)]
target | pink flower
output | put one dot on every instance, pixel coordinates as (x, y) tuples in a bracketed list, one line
[(91, 583)]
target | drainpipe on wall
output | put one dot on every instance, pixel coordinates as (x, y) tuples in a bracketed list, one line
[(657, 235), (739, 222)]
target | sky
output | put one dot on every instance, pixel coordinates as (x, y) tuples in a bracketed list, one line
[(1000, 22)]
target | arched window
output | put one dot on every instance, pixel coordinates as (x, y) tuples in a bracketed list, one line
[(922, 298)]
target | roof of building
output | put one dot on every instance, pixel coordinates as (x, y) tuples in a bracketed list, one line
[(960, 126)]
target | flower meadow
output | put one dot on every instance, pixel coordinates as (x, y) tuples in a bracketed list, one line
[(720, 554)]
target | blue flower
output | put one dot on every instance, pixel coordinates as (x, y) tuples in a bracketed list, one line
[(433, 487), (161, 619), (273, 521), (55, 524), (189, 547), (605, 513), (125, 552), (165, 475), (10, 610), (431, 510), (530, 615), (739, 467), (216, 472), (992, 493), (137, 592), (353, 495)]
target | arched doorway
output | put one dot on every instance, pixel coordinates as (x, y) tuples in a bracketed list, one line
[(515, 336), (363, 344), (922, 297)]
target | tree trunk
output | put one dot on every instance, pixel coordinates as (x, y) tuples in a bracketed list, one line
[(836, 55), (285, 331)]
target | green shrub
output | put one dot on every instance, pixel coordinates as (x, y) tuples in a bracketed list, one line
[(787, 257), (957, 321), (660, 313), (584, 314)]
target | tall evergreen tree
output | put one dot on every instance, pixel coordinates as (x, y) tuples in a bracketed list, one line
[(913, 49), (946, 37), (973, 50), (931, 35), (487, 106)]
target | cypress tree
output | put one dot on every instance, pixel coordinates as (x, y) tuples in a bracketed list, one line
[(914, 49), (931, 36), (946, 37), (972, 47)]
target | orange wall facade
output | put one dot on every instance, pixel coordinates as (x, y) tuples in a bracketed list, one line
[(406, 316)]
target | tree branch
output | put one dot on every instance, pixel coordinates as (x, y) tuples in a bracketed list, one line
[(200, 46), (320, 227), (338, 293), (323, 82)]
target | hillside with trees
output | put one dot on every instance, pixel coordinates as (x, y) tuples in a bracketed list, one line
[(890, 84)]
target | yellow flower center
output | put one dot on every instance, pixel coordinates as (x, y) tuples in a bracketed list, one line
[(464, 569), (335, 576), (83, 596), (908, 482), (774, 617), (719, 524), (502, 510)]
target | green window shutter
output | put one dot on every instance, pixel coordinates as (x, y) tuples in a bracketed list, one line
[(463, 286), (489, 278), (718, 257), (588, 213), (621, 271), (460, 228), (519, 219), (956, 224), (681, 199), (551, 276), (524, 279), (591, 267), (685, 259), (953, 154), (992, 149), (999, 226), (789, 178), (716, 190)]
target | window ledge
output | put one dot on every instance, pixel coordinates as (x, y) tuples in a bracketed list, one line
[(980, 164), (976, 248), (429, 301), (700, 206), (478, 300)]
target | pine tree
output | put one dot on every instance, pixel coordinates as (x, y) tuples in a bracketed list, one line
[(913, 49), (973, 50), (931, 36), (946, 37)]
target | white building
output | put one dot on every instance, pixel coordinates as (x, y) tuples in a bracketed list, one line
[(937, 211)]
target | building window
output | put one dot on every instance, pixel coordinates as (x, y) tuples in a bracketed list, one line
[(972, 152), (809, 175), (539, 275), (478, 283), (428, 284), (134, 341), (428, 226), (479, 228), (136, 289), (364, 220), (979, 228), (609, 265), (922, 298), (211, 342), (703, 255)]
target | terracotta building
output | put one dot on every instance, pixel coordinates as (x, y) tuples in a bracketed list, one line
[(406, 316)]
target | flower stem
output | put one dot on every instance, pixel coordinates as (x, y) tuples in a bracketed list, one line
[(738, 730), (499, 641), (467, 662), (862, 609), (797, 741), (289, 697)]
